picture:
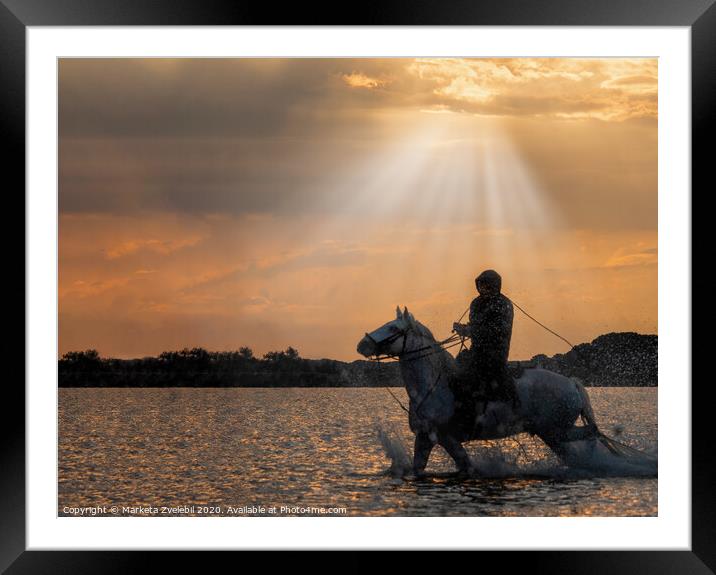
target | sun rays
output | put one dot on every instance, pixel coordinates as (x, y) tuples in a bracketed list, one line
[(450, 195)]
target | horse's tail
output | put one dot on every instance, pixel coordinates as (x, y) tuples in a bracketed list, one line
[(587, 413), (616, 447), (590, 422)]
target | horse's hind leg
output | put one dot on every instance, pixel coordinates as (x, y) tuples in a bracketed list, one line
[(561, 444), (421, 452), (455, 450), (556, 444)]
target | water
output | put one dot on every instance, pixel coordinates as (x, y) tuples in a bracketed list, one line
[(231, 451)]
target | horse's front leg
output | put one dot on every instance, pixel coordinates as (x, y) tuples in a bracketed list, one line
[(456, 451), (421, 452)]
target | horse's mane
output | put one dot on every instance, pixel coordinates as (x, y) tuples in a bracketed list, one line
[(424, 331), (443, 354)]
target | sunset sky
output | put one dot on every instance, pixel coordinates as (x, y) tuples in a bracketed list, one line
[(296, 202)]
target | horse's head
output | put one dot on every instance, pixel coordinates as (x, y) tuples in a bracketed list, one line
[(390, 338)]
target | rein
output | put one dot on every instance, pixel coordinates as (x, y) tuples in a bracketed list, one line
[(435, 347)]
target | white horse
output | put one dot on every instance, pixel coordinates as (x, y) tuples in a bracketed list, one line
[(549, 403)]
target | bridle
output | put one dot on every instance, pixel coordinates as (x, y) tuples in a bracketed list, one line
[(387, 341), (435, 347)]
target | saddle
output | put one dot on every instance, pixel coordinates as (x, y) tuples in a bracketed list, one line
[(472, 394)]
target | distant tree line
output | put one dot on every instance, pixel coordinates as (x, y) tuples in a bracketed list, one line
[(197, 367)]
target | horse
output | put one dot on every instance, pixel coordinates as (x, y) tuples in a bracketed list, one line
[(548, 406)]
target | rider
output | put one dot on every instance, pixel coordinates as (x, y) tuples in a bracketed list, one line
[(483, 369)]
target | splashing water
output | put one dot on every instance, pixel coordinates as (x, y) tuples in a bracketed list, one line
[(401, 461), (490, 461), (597, 458)]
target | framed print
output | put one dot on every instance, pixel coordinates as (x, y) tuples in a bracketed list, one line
[(223, 210)]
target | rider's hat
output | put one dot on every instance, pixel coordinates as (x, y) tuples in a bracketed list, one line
[(490, 279)]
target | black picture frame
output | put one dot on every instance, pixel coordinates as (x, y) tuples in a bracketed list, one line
[(17, 15)]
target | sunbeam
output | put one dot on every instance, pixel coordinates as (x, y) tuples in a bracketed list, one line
[(449, 197)]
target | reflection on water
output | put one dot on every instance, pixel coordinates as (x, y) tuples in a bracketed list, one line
[(320, 448)]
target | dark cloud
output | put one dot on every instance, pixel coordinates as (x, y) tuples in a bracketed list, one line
[(235, 98), (159, 98)]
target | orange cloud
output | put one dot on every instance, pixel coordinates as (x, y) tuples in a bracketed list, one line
[(359, 80), (162, 247), (624, 258), (213, 296)]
